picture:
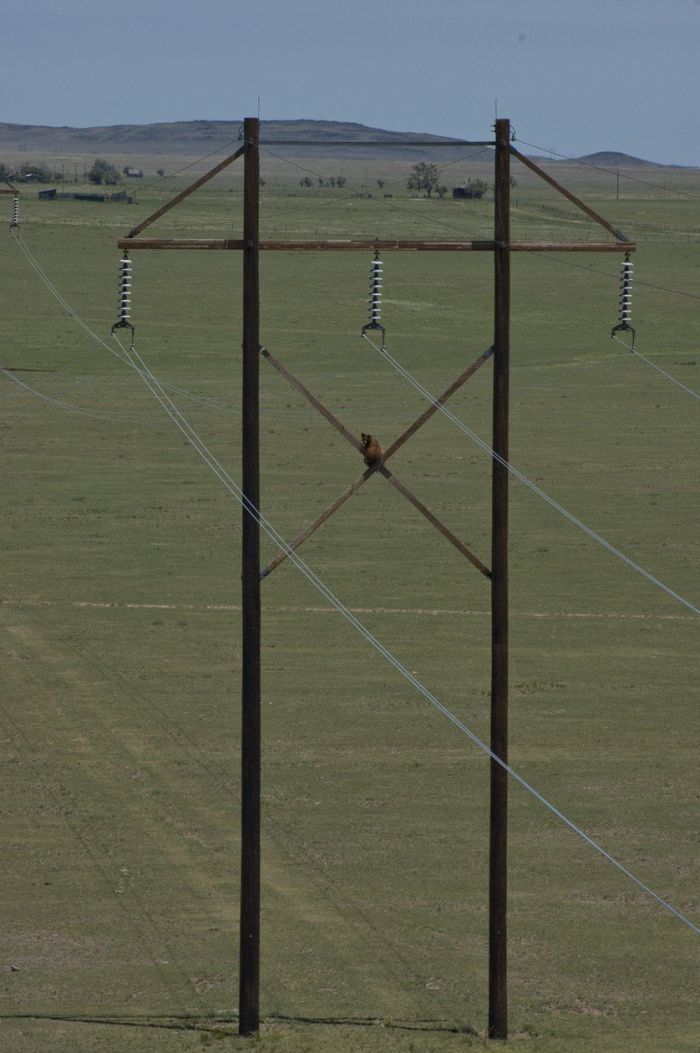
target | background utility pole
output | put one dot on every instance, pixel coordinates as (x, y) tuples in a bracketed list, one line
[(498, 848), (249, 989)]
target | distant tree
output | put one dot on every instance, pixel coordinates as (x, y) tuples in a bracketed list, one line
[(5, 172), (424, 177), (441, 191), (30, 172), (160, 172), (340, 180), (102, 172), (472, 188), (305, 181), (477, 188), (380, 183)]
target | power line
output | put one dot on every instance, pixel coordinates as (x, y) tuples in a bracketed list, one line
[(430, 220), (443, 409), (208, 457), (610, 171), (635, 351), (69, 406), (528, 482), (132, 358), (556, 259), (191, 164)]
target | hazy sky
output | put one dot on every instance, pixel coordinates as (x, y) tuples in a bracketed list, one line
[(575, 77)]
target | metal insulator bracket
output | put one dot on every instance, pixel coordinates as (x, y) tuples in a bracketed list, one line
[(375, 298), (124, 317), (625, 306)]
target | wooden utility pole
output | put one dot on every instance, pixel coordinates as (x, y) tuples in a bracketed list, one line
[(249, 977), (498, 861)]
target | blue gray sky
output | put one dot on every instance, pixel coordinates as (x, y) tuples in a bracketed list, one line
[(573, 77)]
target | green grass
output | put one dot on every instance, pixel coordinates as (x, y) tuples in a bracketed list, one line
[(120, 638)]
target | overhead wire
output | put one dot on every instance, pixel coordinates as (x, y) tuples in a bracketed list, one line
[(396, 365), (45, 280), (215, 466), (191, 164), (554, 257), (132, 358), (389, 206), (637, 353), (70, 406), (443, 409), (147, 377), (611, 171)]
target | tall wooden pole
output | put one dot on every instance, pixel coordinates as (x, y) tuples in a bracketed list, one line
[(498, 860), (249, 984)]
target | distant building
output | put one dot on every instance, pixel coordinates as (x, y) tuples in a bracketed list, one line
[(466, 191), (134, 173)]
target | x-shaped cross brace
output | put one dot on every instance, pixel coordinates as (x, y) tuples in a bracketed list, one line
[(395, 482)]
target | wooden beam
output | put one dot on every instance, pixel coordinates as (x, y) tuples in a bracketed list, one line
[(396, 483), (347, 494), (375, 245), (572, 246), (437, 523), (498, 839), (185, 193), (238, 244), (249, 975), (310, 246), (310, 397), (293, 545), (567, 193), (435, 406), (179, 243), (375, 142)]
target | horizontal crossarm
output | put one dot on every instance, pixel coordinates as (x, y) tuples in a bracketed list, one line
[(237, 245)]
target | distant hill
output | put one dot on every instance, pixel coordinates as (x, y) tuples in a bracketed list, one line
[(612, 159), (199, 137), (196, 138)]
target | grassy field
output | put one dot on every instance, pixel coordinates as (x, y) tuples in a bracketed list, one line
[(120, 632)]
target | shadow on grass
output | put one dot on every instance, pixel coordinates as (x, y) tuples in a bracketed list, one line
[(209, 1024)]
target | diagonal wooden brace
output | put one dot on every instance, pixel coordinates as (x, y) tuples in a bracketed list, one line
[(391, 478)]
